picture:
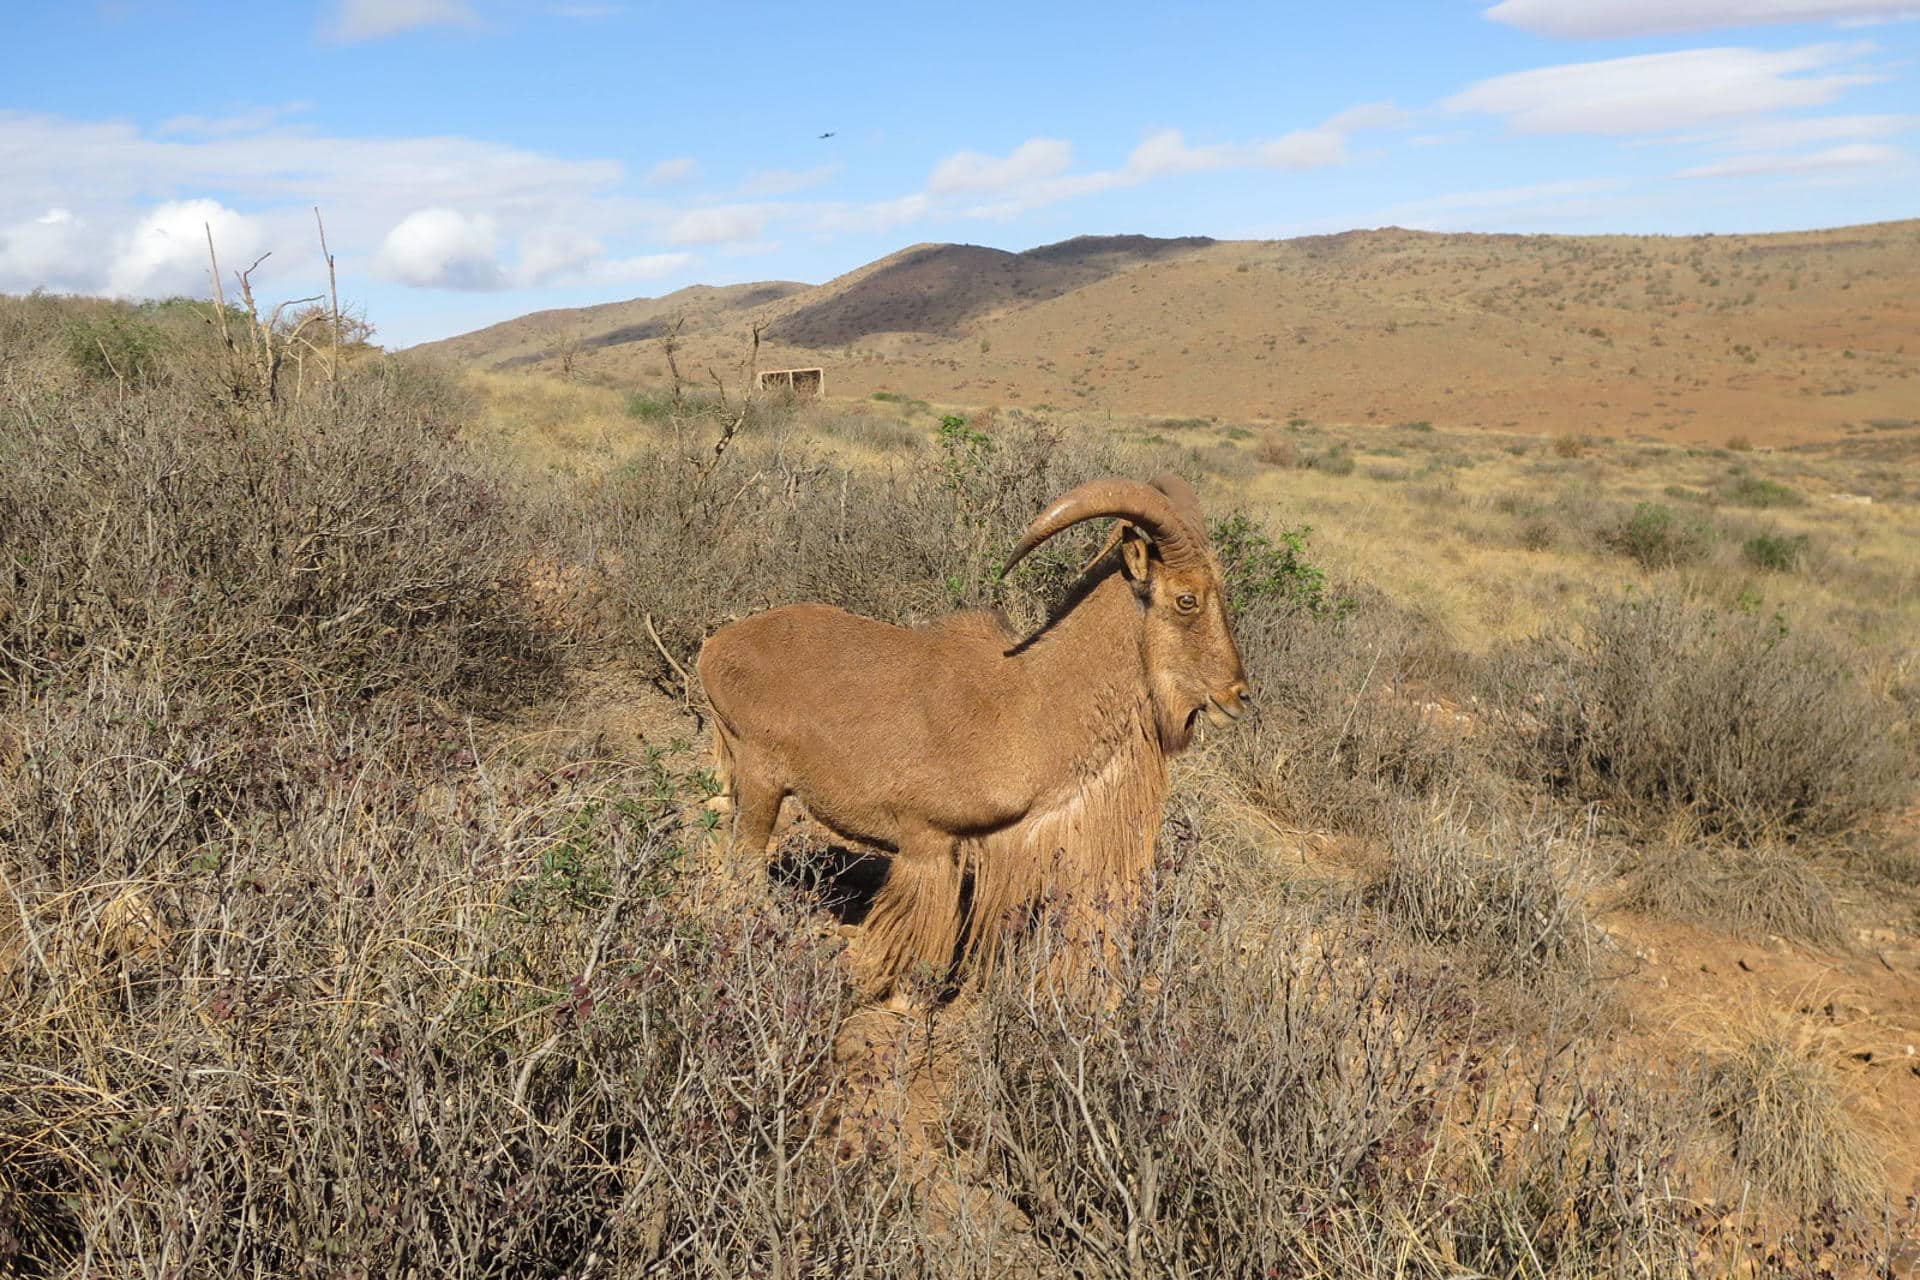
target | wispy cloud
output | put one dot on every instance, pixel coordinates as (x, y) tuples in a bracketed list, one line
[(1037, 173), (1533, 202), (678, 169), (722, 224), (1664, 92), (1617, 18), (1769, 135), (1035, 160), (782, 182), (1853, 156), (250, 120), (355, 20)]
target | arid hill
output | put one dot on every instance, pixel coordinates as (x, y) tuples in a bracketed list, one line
[(1774, 338)]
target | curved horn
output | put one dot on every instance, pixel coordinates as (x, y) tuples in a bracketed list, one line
[(1184, 500), (1148, 507)]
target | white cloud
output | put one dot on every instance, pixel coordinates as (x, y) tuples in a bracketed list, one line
[(446, 249), (1166, 152), (356, 20), (1529, 203), (1035, 174), (1771, 135), (1034, 160), (251, 120), (1659, 92), (678, 169), (1586, 18), (50, 160), (166, 252), (50, 251), (111, 176), (650, 266), (554, 253), (721, 224), (781, 182), (876, 217), (1369, 115), (1856, 155), (443, 249)]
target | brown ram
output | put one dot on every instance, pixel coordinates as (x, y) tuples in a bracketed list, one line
[(1034, 767)]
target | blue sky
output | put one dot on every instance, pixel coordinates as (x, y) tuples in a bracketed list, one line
[(479, 159)]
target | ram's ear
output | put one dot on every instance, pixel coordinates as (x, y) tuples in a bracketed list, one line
[(1135, 554)]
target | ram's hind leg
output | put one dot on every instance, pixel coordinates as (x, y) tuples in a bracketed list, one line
[(914, 924), (756, 810), (745, 792)]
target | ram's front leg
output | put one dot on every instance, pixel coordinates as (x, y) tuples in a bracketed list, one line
[(913, 928)]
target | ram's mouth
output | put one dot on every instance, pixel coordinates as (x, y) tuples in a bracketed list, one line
[(1221, 713)]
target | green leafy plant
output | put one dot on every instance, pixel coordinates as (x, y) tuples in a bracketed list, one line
[(1262, 567), (1757, 491), (1779, 552)]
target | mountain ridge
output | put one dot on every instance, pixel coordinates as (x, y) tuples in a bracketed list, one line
[(1773, 337)]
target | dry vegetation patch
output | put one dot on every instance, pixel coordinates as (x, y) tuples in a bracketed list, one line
[(337, 941)]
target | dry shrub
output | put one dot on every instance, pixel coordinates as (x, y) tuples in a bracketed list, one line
[(1751, 893), (1262, 1097), (1277, 449), (693, 541), (1782, 1109), (1513, 890), (1750, 729), (1341, 734), (344, 548), (399, 1015), (1209, 1120)]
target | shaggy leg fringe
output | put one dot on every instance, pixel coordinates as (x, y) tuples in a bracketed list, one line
[(915, 919)]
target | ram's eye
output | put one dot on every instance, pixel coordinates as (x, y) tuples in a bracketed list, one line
[(1188, 603)]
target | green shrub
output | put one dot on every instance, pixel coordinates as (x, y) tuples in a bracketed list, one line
[(1263, 568), (117, 346), (1657, 539), (648, 406), (1779, 552), (1756, 491), (1335, 461)]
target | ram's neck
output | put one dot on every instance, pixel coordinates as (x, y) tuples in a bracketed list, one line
[(1090, 835), (1087, 676)]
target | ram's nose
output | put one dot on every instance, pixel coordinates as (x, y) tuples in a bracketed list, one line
[(1237, 701)]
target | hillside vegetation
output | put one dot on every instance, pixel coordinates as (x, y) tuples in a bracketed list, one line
[(1778, 339), (363, 914)]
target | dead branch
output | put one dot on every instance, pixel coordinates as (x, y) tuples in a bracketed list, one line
[(686, 681), (333, 295), (670, 343)]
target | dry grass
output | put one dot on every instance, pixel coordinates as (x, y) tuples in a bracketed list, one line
[(1750, 893), (1514, 890), (1782, 1108)]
